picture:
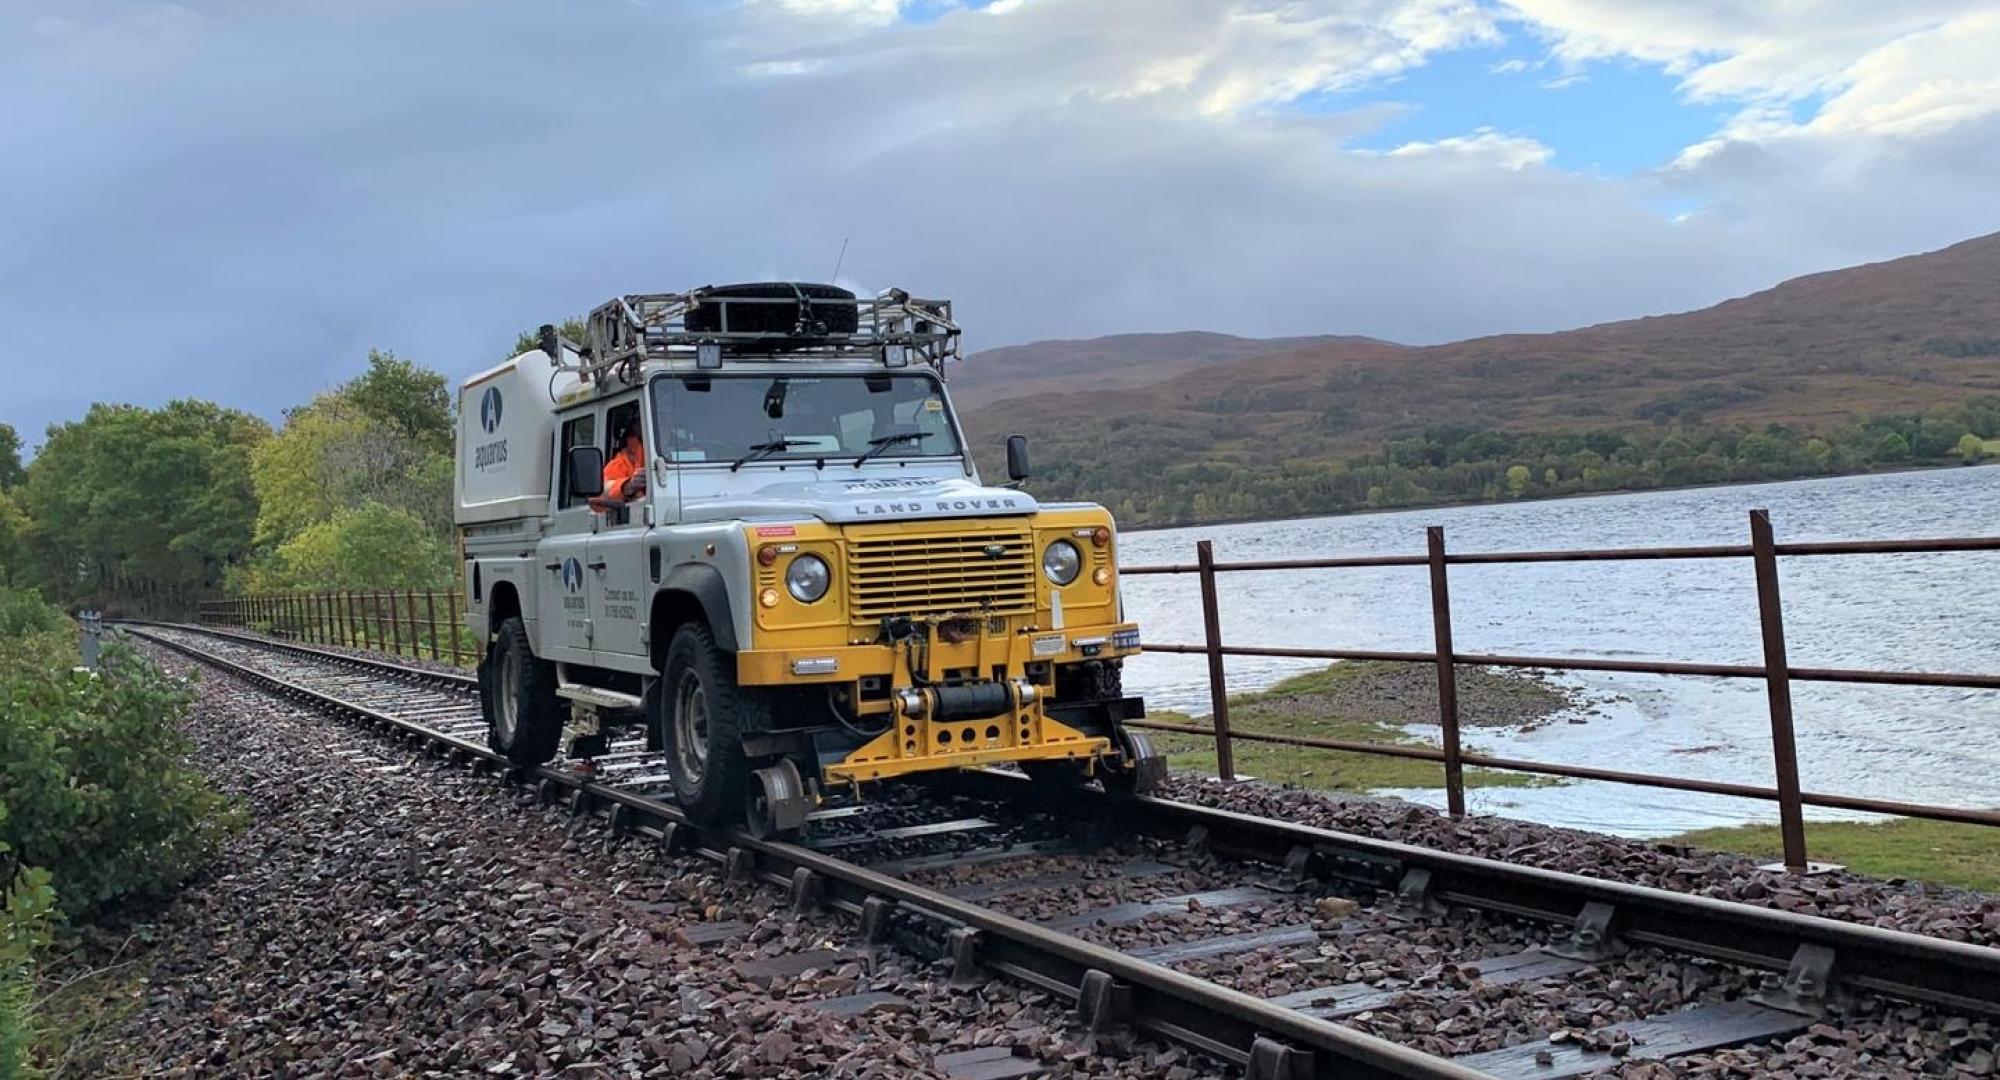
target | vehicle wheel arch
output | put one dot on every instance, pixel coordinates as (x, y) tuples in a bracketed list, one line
[(691, 594), (502, 603)]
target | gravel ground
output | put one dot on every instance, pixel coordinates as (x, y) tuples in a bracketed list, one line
[(384, 915), (1954, 914), (1865, 1039)]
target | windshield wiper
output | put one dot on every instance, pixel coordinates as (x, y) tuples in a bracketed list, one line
[(884, 442), (762, 450)]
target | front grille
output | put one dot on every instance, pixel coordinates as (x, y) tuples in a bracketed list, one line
[(965, 573)]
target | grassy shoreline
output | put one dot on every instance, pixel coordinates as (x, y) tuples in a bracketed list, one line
[(1938, 852), (1358, 701)]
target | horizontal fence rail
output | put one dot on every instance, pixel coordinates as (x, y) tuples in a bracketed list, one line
[(417, 623), (1776, 671)]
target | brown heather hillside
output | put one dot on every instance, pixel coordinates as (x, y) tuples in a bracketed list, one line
[(1916, 335), (1117, 361), (1902, 336)]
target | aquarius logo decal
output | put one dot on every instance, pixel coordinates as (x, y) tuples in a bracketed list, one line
[(489, 409), (572, 575)]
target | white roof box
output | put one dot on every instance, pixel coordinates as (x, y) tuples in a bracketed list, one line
[(506, 439)]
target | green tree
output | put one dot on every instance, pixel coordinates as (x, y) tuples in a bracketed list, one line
[(357, 467), (576, 331), (1971, 448), (11, 473), (374, 547), (130, 501), (13, 527), (1893, 447), (1518, 479), (411, 402)]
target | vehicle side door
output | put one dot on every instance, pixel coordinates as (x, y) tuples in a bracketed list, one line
[(619, 578), (565, 610)]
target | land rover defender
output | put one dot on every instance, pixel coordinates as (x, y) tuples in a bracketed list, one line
[(808, 588)]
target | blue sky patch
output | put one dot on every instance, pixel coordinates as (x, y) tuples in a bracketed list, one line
[(1614, 117)]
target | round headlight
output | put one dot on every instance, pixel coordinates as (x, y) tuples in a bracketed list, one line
[(1061, 561), (807, 578)]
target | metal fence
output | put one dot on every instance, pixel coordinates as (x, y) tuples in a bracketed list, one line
[(426, 624), (1776, 671), (422, 624)]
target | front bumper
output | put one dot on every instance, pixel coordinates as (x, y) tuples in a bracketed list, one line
[(982, 700)]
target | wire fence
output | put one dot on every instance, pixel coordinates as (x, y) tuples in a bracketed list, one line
[(421, 624), (1776, 671)]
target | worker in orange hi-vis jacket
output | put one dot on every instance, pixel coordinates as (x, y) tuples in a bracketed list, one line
[(625, 473)]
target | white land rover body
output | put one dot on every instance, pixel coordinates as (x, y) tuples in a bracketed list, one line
[(814, 591)]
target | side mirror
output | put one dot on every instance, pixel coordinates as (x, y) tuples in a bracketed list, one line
[(548, 342), (585, 466), (1017, 458)]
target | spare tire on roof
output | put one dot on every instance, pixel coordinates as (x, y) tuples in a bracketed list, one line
[(814, 310)]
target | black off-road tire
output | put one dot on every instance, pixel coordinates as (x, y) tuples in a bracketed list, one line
[(513, 675), (711, 775)]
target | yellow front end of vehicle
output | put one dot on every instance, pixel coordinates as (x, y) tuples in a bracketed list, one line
[(940, 639)]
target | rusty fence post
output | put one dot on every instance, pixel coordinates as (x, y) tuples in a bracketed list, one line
[(385, 624), (1218, 685), (388, 607), (354, 633), (315, 617), (460, 654), (410, 623), (431, 617), (1778, 687), (1447, 673)]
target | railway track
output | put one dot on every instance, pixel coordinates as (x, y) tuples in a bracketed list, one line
[(1272, 946)]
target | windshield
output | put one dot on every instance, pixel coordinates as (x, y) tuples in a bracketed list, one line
[(734, 418)]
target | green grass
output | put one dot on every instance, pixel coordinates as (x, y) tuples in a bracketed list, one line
[(1939, 852), (1294, 707)]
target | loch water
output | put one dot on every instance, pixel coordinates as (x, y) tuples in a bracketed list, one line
[(1931, 612)]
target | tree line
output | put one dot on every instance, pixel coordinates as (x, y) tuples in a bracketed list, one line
[(1204, 471), (150, 510)]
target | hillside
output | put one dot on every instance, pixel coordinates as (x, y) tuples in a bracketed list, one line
[(1821, 355), (1114, 362)]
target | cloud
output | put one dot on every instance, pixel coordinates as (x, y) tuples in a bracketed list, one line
[(236, 198), (1909, 67), (1484, 147)]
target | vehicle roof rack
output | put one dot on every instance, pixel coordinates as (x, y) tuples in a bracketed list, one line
[(782, 321)]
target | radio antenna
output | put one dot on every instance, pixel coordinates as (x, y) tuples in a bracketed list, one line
[(837, 263)]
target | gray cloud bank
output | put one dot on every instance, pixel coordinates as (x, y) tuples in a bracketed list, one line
[(235, 199)]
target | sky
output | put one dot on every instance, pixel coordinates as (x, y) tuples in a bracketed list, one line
[(237, 199)]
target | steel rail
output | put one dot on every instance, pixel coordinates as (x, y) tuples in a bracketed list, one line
[(1272, 1040), (1893, 963)]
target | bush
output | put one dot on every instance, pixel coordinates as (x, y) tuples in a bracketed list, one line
[(27, 912), (24, 615), (93, 773)]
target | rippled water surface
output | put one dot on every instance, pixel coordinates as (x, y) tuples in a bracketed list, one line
[(1917, 612)]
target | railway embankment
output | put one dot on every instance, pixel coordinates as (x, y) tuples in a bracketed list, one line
[(388, 913), (385, 915)]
